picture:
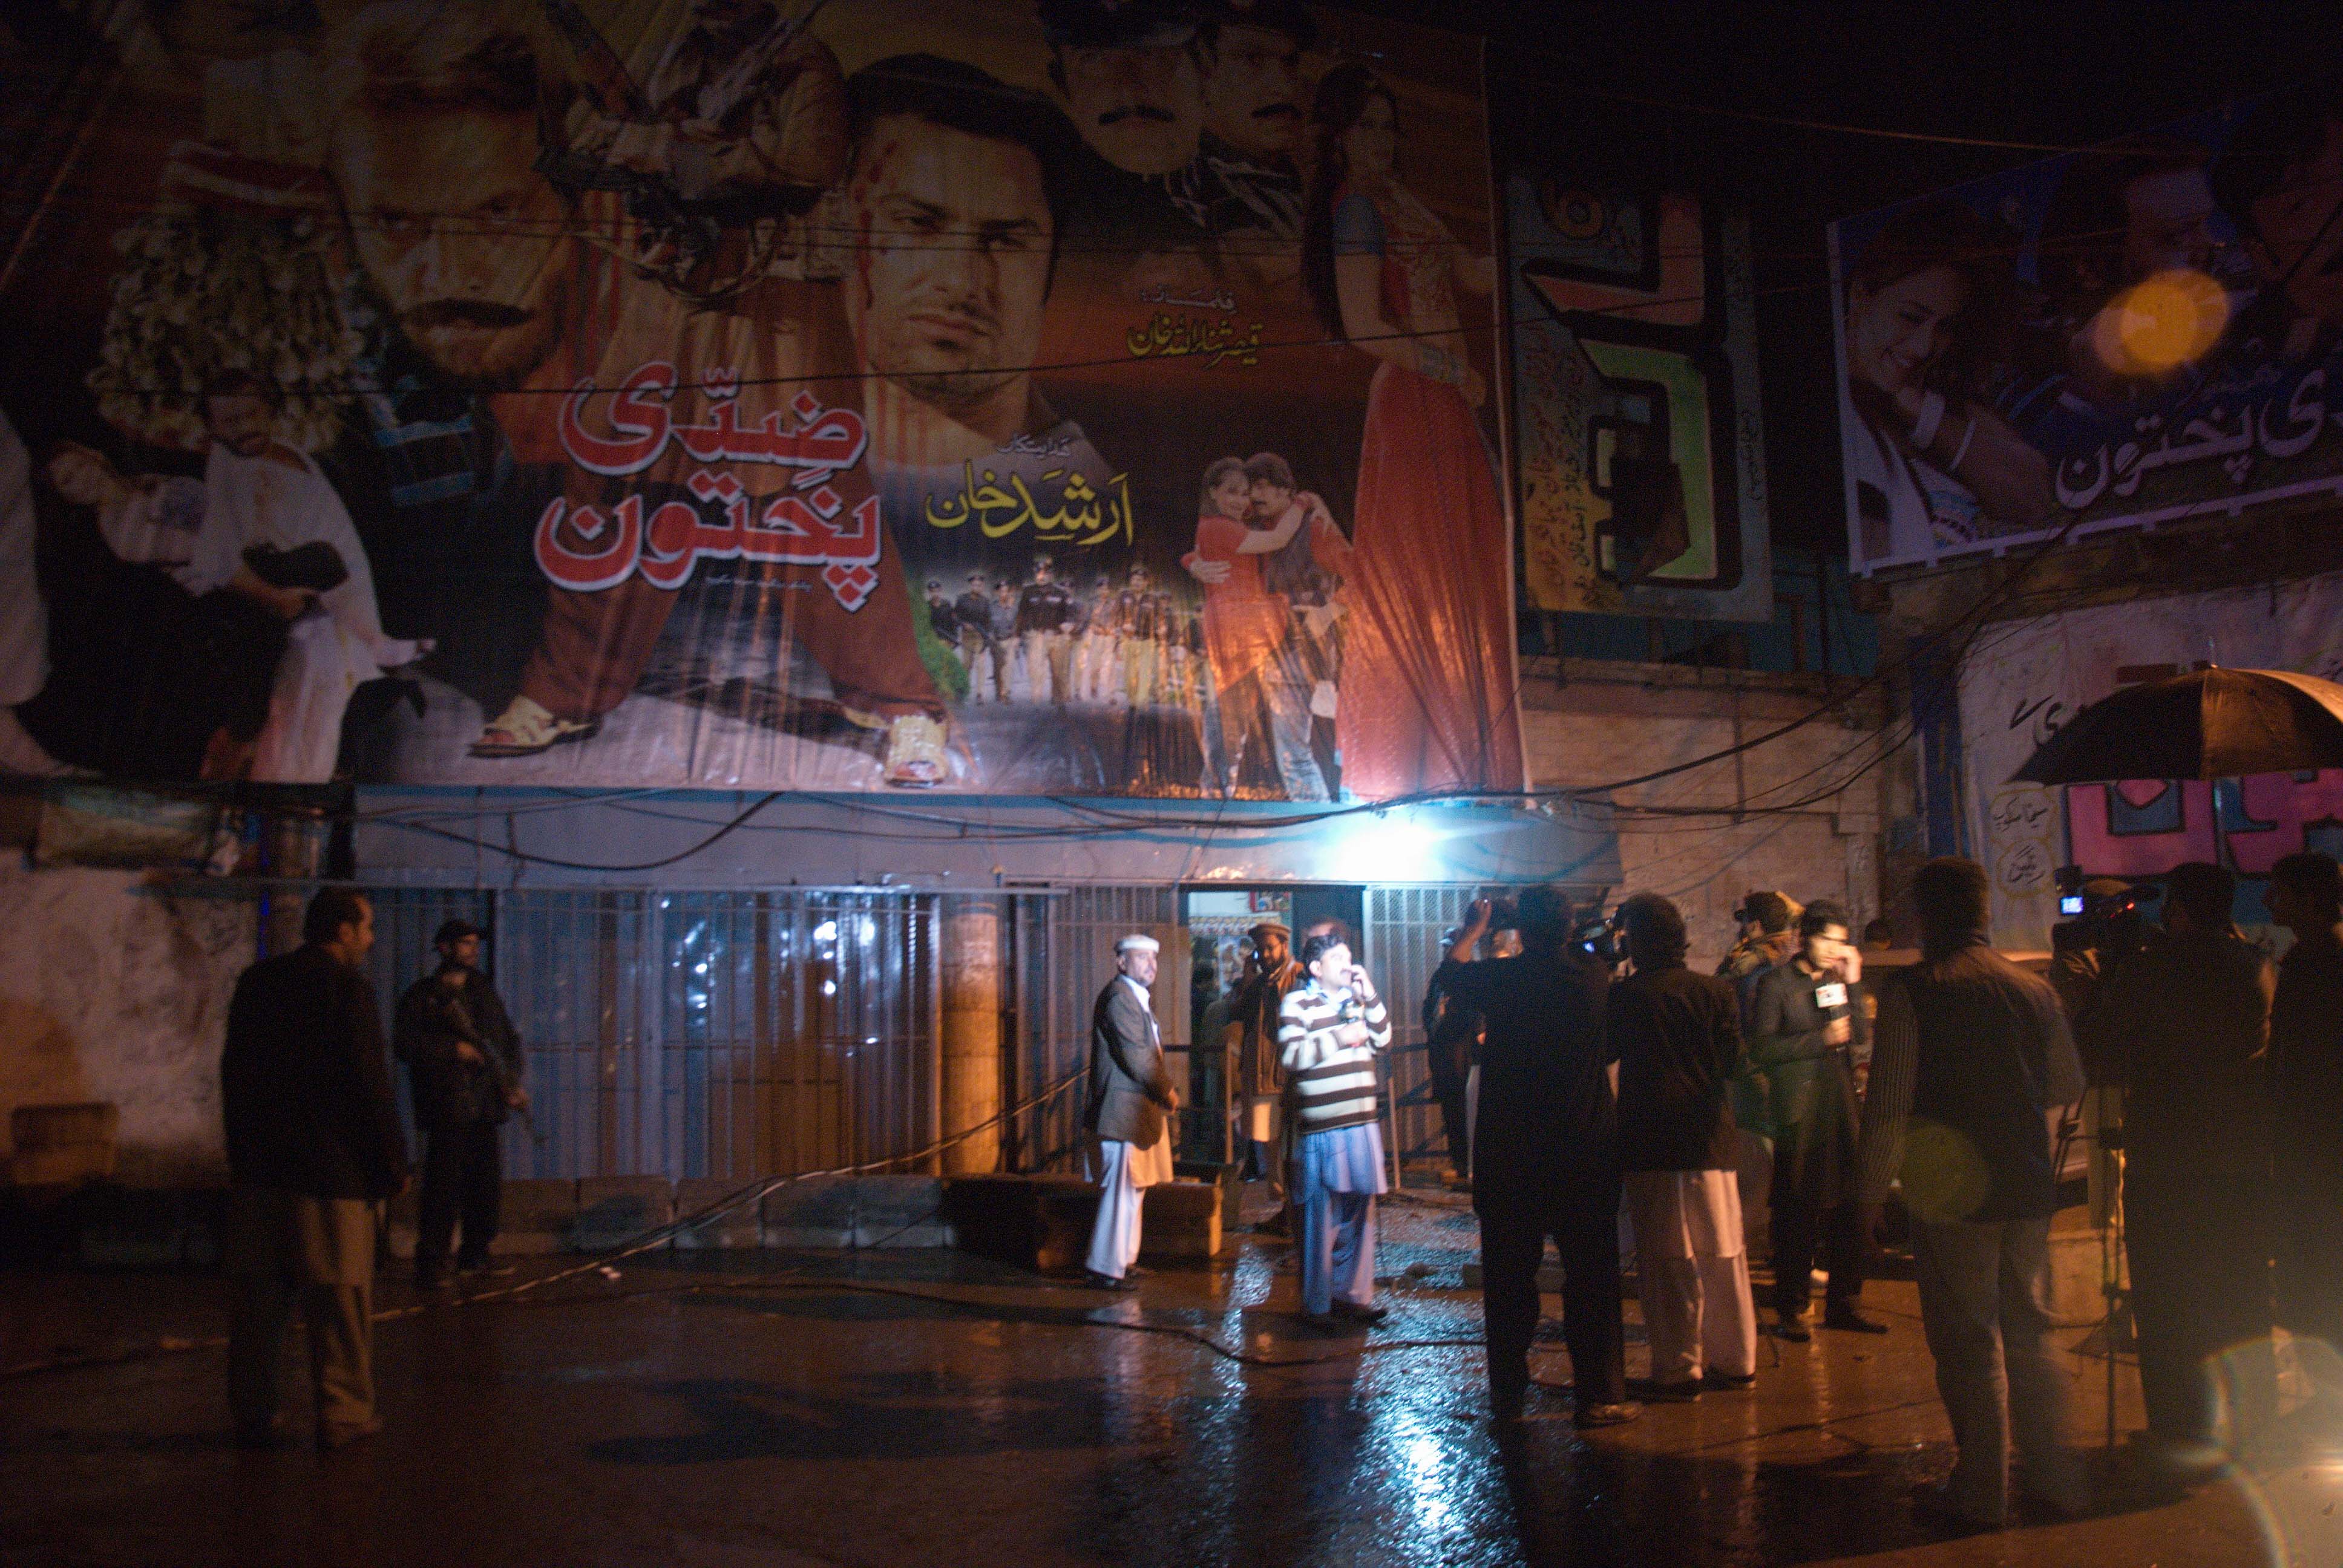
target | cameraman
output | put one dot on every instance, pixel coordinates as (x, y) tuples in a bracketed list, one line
[(2182, 1026), (1545, 1157), (2087, 951)]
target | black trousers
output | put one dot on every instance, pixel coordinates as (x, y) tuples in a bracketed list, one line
[(1800, 1227), (2200, 1286), (1452, 1067), (1581, 1215), (462, 1174)]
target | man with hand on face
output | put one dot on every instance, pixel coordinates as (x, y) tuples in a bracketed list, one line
[(1808, 1018), (2280, 178), (1333, 1030), (1132, 1102)]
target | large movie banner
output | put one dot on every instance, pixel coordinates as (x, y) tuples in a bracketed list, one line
[(2135, 334), (1638, 445), (2025, 680), (1070, 396)]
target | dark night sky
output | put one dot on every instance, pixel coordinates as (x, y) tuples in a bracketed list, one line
[(2014, 70)]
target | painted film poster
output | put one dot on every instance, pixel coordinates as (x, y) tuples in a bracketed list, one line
[(1639, 451), (2132, 335), (1080, 396)]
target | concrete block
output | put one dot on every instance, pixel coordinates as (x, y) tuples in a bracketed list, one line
[(34, 1127), (68, 1166), (1181, 1223), (743, 1227), (537, 1218), (615, 1210), (886, 1210)]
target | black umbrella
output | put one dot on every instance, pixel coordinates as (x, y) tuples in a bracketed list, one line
[(2214, 723)]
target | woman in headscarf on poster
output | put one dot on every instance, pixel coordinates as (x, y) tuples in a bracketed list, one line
[(1934, 468), (1427, 687)]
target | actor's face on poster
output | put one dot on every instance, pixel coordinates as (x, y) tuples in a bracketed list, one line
[(952, 263), (459, 234), (1140, 108), (1253, 91)]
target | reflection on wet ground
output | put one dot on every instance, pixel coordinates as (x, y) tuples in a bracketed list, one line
[(917, 1408)]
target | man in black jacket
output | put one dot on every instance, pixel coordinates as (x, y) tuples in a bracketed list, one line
[(1678, 1038), (1809, 1013), (1973, 1055), (1546, 1154), (313, 1147), (463, 1070), (2183, 1026), (2305, 1088)]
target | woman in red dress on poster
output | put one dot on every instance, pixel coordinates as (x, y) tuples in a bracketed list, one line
[(1245, 623), (1427, 690)]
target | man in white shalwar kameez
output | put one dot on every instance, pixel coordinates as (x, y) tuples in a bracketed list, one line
[(258, 496), (24, 617), (1130, 1107)]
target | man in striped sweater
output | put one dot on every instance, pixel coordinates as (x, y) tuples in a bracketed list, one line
[(1331, 1030)]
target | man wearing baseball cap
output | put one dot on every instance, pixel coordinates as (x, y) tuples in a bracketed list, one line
[(1132, 1103), (463, 1064)]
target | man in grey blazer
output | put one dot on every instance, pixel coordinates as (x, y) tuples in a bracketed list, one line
[(1131, 1099)]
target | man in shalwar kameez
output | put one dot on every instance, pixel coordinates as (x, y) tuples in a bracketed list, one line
[(1131, 1103)]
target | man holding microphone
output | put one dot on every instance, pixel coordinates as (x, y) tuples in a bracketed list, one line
[(1331, 1029)]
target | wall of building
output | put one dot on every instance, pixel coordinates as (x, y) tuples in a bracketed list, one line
[(1811, 804), (111, 991)]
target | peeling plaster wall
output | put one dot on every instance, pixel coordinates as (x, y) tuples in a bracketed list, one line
[(109, 992), (1605, 722)]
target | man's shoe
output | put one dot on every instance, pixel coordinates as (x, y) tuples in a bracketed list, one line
[(1590, 1416), (1506, 1403), (1716, 1382), (272, 1436), (1792, 1327), (334, 1439), (1852, 1321), (485, 1271), (1099, 1281), (1653, 1391), (1359, 1313)]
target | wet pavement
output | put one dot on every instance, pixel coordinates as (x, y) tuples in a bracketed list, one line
[(914, 1408)]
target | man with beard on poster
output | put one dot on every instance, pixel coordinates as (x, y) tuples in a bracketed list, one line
[(471, 281), (436, 113)]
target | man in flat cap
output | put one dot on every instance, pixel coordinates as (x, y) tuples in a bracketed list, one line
[(1132, 1103), (463, 1064), (1270, 973)]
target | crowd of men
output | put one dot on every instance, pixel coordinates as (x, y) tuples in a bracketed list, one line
[(1602, 1072), (1583, 1068), (1129, 646)]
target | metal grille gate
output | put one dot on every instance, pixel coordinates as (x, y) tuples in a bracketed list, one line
[(1404, 926), (688, 1034)]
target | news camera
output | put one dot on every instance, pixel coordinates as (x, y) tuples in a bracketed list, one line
[(1597, 936), (2100, 915)]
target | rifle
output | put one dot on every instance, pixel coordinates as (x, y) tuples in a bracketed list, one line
[(719, 98), (458, 1018)]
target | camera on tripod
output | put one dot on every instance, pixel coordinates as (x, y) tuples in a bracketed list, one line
[(2102, 914)]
